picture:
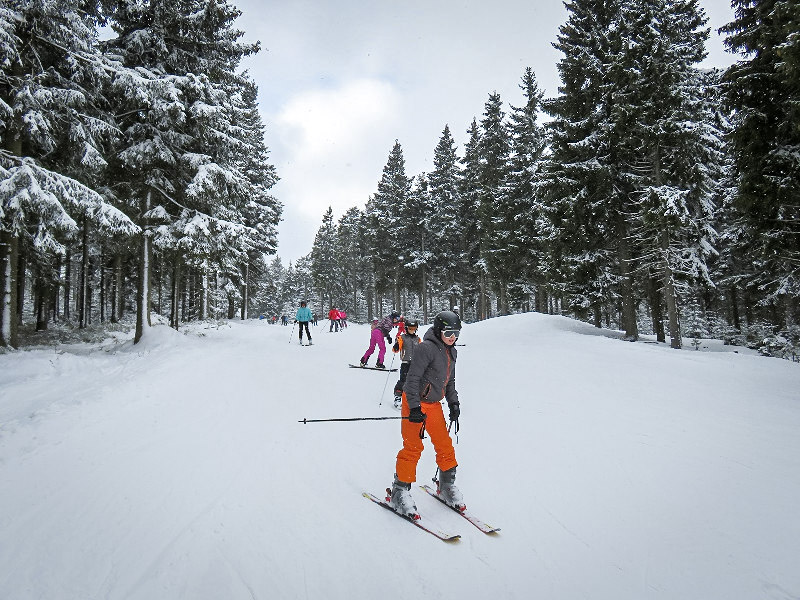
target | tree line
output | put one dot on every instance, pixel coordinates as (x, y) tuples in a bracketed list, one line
[(133, 170), (649, 194), (654, 196)]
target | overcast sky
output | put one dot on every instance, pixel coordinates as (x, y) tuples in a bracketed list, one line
[(340, 81)]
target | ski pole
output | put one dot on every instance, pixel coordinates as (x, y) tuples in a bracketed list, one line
[(388, 374), (291, 334), (304, 421)]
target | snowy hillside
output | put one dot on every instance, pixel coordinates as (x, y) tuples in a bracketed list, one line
[(177, 469)]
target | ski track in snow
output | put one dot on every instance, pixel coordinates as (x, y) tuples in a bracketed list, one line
[(177, 469)]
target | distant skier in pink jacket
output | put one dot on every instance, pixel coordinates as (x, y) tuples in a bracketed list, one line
[(380, 330)]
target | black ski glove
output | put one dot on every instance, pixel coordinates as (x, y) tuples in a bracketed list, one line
[(396, 347), (389, 339), (416, 415), (455, 411)]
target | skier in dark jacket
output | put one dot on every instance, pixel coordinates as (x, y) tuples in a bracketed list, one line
[(431, 377)]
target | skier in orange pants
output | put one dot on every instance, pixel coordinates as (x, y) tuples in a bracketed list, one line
[(431, 378)]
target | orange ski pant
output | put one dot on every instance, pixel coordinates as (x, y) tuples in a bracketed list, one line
[(436, 427)]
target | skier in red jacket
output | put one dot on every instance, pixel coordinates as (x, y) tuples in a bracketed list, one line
[(333, 316)]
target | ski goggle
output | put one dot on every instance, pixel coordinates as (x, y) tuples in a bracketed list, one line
[(451, 332)]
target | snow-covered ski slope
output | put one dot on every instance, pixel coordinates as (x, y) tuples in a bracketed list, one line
[(177, 469)]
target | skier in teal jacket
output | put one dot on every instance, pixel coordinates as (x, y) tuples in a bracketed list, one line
[(303, 316)]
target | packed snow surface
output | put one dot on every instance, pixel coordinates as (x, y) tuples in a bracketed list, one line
[(177, 469)]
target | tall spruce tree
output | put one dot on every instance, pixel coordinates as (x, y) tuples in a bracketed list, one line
[(496, 213), (445, 223), (384, 211), (354, 262), (260, 210), (674, 167), (528, 145), (764, 91), (472, 270), (325, 262), (585, 193)]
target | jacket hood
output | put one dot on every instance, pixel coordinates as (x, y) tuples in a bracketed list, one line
[(431, 336)]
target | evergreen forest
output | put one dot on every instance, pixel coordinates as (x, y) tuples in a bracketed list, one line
[(650, 194)]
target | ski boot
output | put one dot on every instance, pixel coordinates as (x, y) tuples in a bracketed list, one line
[(447, 490), (398, 400), (310, 343), (363, 363), (399, 498), (380, 366)]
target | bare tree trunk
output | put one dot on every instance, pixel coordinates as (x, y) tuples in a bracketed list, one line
[(246, 289), (160, 273), (483, 309), (735, 308), (56, 295), (186, 297), (204, 295), (20, 281), (626, 286), (231, 307), (67, 283), (41, 303), (424, 295), (90, 290), (8, 305), (102, 285), (504, 302), (143, 285), (116, 288), (174, 315), (670, 296), (655, 308), (9, 249), (84, 278), (10, 322)]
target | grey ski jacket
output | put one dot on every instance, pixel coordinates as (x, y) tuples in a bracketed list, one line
[(432, 374)]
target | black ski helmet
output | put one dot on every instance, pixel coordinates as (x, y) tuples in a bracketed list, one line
[(446, 319), (411, 323), (302, 302), (395, 316)]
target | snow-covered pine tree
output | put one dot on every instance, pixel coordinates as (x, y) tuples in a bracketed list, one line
[(415, 238), (496, 212), (325, 262), (300, 285), (528, 144), (589, 251), (763, 88), (179, 158), (354, 262), (676, 148), (261, 212), (48, 135), (384, 211), (445, 222), (472, 271)]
